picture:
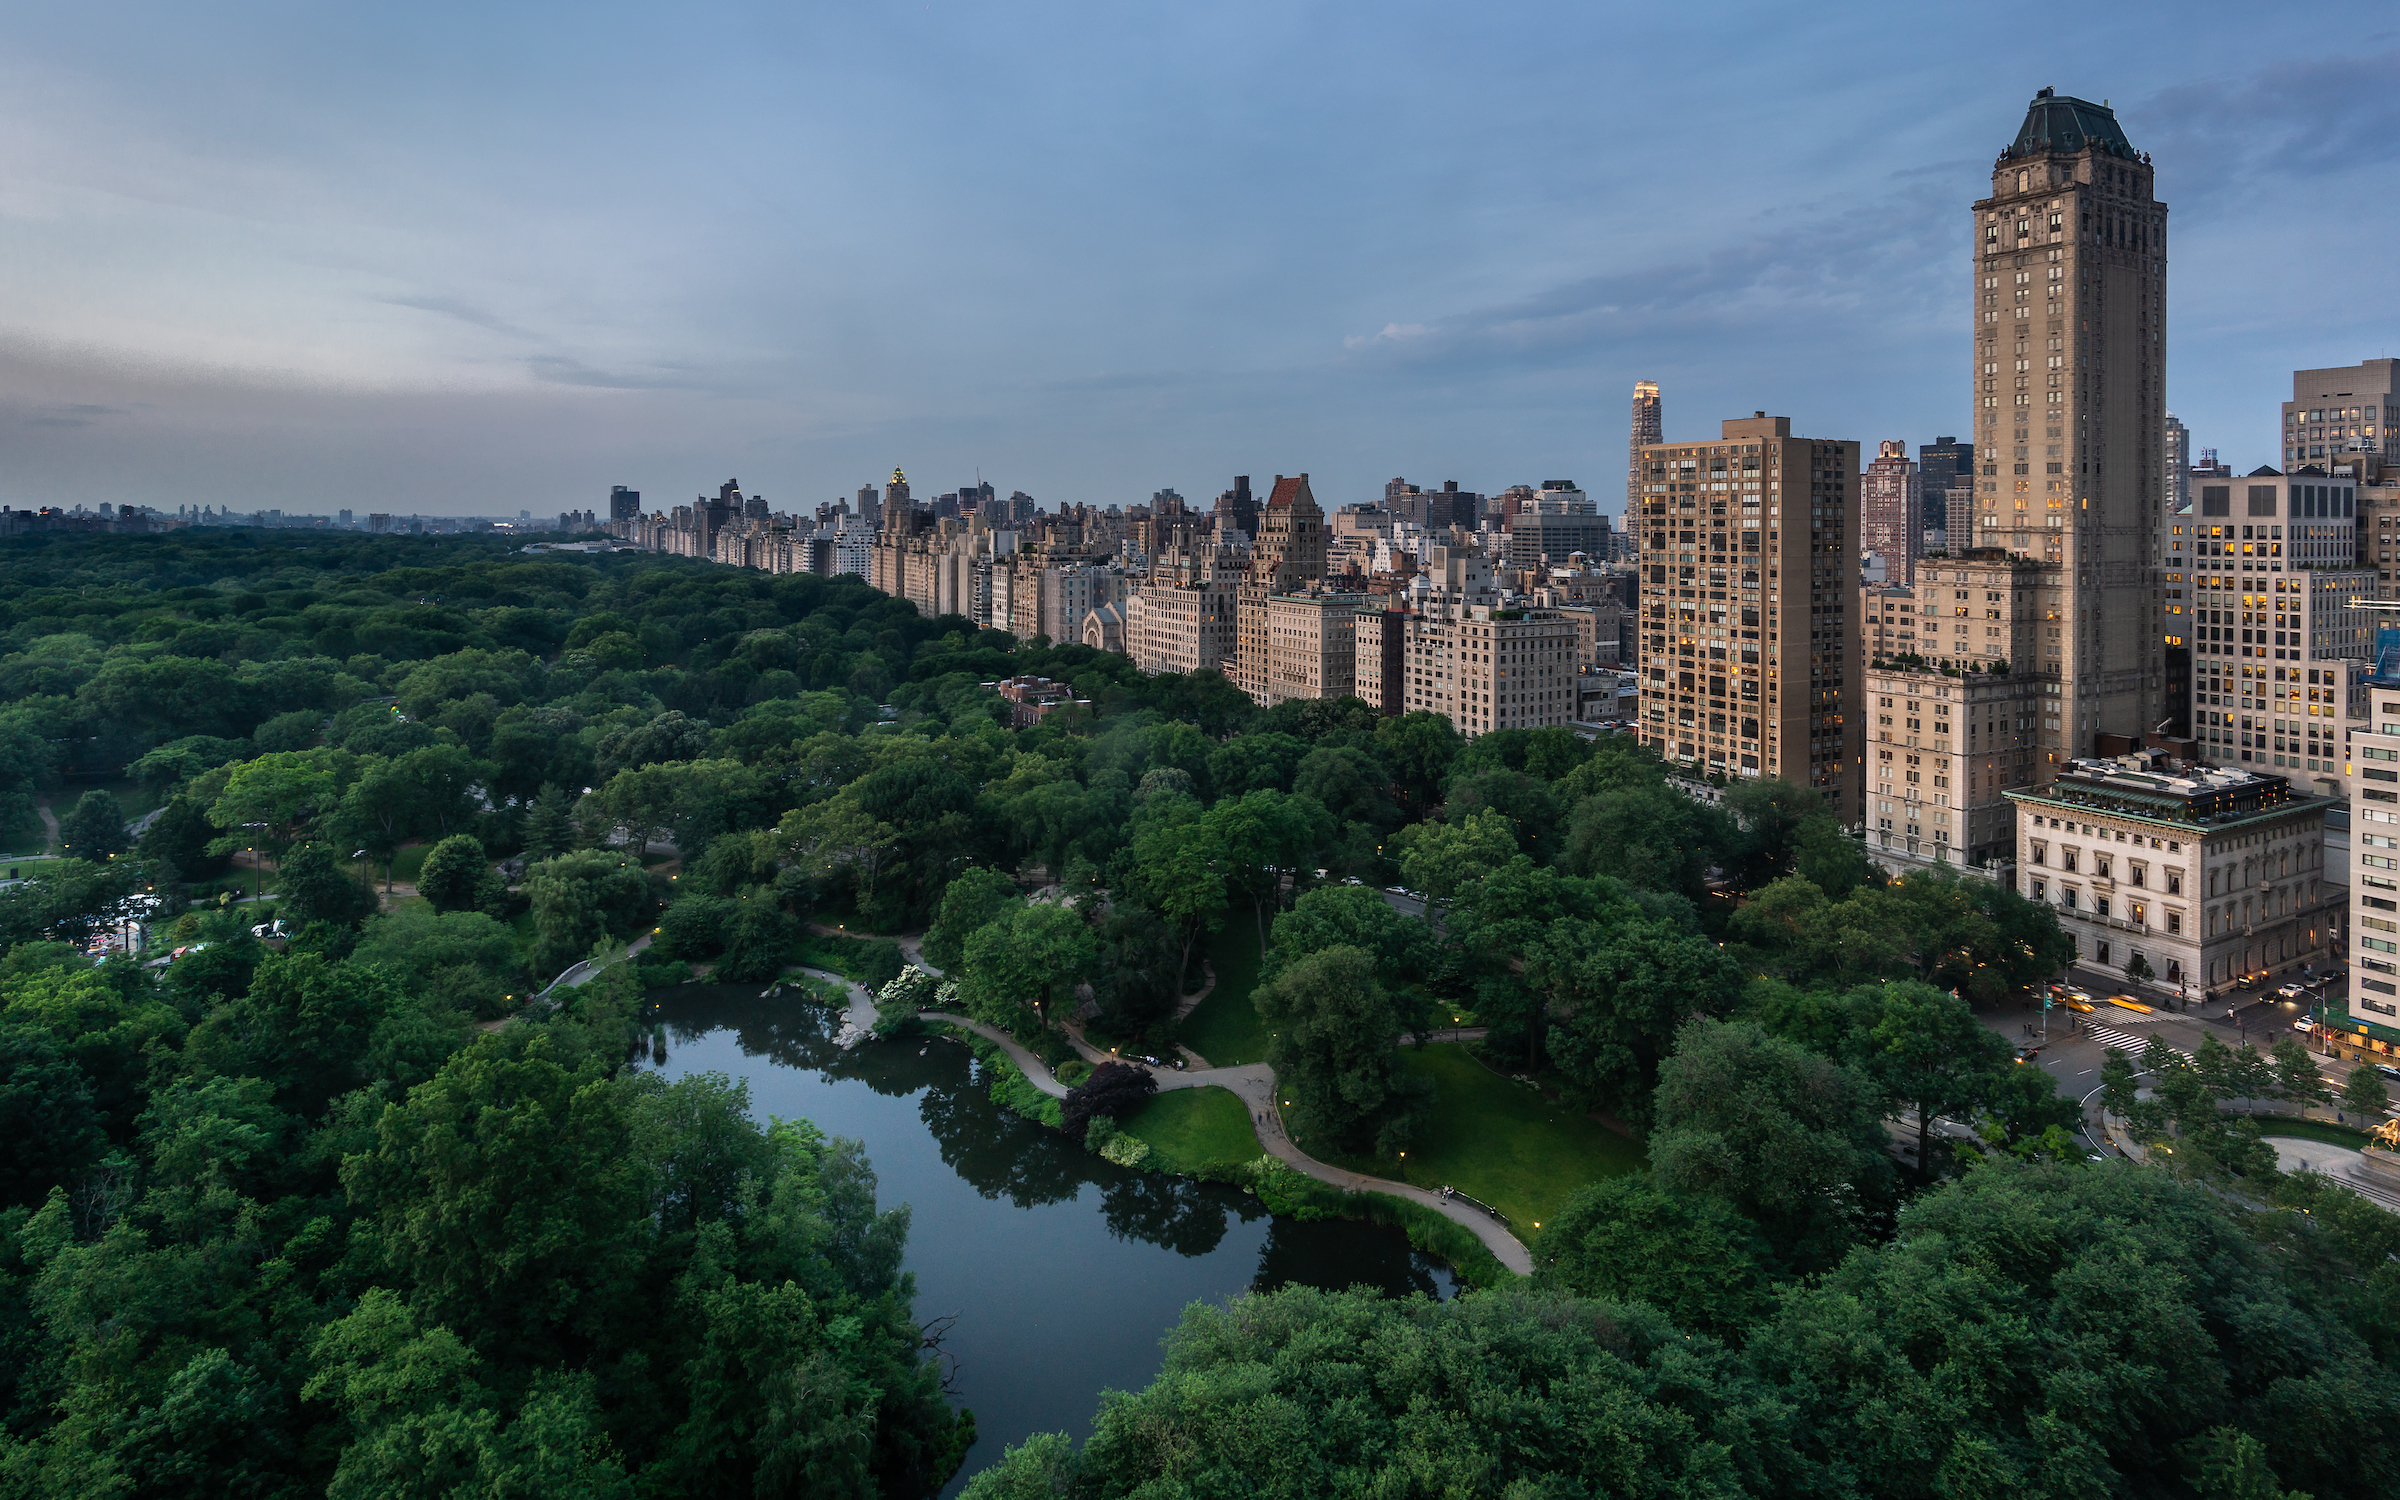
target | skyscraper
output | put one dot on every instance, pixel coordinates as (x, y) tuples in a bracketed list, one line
[(1749, 659), (1649, 430), (2069, 377), (623, 504), (1891, 519), (1944, 465), (2175, 454)]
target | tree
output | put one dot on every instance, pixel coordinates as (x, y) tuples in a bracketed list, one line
[(1438, 860), (462, 959), (1624, 987), (2137, 970), (1690, 1256), (178, 839), (583, 898), (381, 809), (1265, 838), (1114, 1090), (1356, 917), (1789, 1138), (266, 801), (507, 1192), (321, 888), (549, 823), (94, 828), (1033, 956), (2297, 1075), (2119, 1084), (457, 876), (1335, 1034), (1180, 871), (47, 1116), (2363, 1092), (975, 896), (1930, 1052)]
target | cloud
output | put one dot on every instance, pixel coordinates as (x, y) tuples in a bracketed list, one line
[(560, 369), (2304, 119), (451, 307), (1391, 333), (1784, 275)]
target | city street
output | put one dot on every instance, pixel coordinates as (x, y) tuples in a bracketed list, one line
[(2077, 1045)]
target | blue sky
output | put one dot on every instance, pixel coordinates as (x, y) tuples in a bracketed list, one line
[(452, 258)]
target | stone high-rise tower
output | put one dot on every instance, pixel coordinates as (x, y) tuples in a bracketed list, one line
[(1287, 558), (1649, 429), (2070, 389)]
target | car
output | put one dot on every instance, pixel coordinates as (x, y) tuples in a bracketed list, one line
[(2387, 1070), (2251, 982), (2028, 1054), (2292, 992), (2129, 1003), (2079, 1004), (2304, 1026)]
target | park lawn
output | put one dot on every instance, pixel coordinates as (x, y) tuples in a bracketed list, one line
[(2323, 1131), (1189, 1129), (409, 863), (1226, 1028), (1499, 1140)]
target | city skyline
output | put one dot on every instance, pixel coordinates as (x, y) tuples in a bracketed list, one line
[(472, 280)]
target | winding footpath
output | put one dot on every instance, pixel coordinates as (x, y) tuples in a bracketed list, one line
[(1253, 1083)]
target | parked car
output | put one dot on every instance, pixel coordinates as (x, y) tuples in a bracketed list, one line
[(2251, 982)]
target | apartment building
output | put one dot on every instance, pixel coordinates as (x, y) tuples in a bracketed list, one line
[(1748, 652), (1310, 652), (1287, 558), (2208, 874), (1181, 618), (2069, 350), (2275, 585), (2342, 413)]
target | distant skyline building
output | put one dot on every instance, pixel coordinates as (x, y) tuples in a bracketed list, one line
[(1649, 429), (1237, 510), (1891, 521), (2175, 452), (623, 504), (1946, 466)]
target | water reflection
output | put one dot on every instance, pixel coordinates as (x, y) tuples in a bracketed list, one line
[(1064, 1269)]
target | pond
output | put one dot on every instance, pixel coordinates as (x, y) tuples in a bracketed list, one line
[(1061, 1271)]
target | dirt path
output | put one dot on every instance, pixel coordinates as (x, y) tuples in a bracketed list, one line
[(49, 827)]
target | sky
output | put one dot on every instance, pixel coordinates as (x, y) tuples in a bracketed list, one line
[(471, 259)]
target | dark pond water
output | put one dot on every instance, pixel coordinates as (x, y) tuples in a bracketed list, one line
[(1062, 1271)]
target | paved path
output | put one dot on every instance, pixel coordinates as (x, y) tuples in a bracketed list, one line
[(586, 969), (49, 826), (2338, 1163), (1254, 1085)]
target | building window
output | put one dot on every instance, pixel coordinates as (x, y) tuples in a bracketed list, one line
[(2100, 905), (2174, 922), (2174, 882)]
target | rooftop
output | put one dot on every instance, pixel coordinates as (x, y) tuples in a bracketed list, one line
[(2058, 122), (2204, 795)]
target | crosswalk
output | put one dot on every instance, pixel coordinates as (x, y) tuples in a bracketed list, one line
[(2109, 1036)]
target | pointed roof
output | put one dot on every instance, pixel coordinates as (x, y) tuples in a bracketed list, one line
[(2058, 122), (1290, 490)]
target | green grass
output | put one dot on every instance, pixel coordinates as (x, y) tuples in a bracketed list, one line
[(1226, 1029), (873, 962), (409, 863), (1190, 1129), (1499, 1141), (2324, 1131)]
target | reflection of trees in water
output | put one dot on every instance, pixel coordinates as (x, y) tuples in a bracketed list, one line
[(998, 1152), (1340, 1253), (1176, 1213), (1003, 1155)]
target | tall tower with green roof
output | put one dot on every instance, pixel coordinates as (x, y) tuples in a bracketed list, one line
[(2069, 267)]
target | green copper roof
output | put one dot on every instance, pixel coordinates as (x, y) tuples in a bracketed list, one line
[(2055, 122)]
